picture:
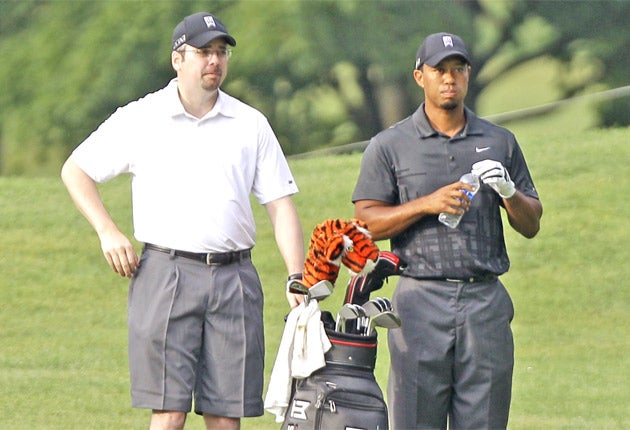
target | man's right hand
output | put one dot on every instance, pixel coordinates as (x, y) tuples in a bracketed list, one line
[(450, 199), (386, 220), (117, 249), (119, 253)]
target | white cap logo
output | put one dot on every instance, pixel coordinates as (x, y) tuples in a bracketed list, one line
[(448, 41), (209, 21)]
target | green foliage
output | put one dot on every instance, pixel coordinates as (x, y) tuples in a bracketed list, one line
[(325, 72), (615, 113), (76, 63), (63, 314)]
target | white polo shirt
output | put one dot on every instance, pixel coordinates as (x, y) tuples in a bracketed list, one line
[(191, 178)]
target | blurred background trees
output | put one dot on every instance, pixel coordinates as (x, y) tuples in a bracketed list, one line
[(325, 73)]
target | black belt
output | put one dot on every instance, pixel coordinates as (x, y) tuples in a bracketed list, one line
[(467, 280), (209, 258)]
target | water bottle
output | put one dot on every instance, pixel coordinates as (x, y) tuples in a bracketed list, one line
[(451, 220)]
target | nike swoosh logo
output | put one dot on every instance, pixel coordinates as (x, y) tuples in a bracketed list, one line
[(485, 148)]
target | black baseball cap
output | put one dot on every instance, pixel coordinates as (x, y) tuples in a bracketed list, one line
[(438, 46), (200, 29)]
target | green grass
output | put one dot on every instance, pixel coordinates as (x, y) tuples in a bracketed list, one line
[(63, 353)]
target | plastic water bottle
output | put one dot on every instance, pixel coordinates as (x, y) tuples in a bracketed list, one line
[(451, 220)]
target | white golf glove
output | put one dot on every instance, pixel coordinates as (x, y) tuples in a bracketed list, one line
[(494, 174)]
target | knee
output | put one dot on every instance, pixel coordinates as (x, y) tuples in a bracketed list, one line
[(167, 420)]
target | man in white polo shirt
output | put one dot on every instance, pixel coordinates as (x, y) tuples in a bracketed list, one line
[(195, 300)]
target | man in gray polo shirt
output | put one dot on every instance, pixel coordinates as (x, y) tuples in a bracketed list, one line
[(452, 360)]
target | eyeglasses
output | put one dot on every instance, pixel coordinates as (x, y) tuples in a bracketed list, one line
[(221, 53)]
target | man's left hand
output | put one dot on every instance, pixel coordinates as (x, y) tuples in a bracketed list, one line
[(496, 176), (295, 299)]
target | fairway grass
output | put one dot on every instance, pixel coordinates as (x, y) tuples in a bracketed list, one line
[(63, 352)]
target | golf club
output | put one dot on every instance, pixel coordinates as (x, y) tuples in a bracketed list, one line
[(347, 311), (386, 319)]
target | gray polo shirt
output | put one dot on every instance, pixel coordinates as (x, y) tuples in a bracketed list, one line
[(410, 159)]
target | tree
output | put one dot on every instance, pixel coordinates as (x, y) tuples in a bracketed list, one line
[(324, 72), (346, 72), (70, 65)]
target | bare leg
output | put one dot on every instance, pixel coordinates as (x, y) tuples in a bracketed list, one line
[(214, 422), (167, 420)]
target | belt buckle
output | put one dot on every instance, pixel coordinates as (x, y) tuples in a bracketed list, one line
[(209, 261), (469, 280)]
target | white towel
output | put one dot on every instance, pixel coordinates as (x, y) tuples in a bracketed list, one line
[(301, 352)]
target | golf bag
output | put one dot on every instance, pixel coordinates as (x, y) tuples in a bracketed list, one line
[(342, 395)]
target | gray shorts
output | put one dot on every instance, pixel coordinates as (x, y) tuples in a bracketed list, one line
[(196, 330)]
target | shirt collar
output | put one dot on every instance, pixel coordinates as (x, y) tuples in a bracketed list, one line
[(472, 127), (223, 105)]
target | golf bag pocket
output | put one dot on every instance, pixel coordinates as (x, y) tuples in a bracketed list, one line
[(337, 398)]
